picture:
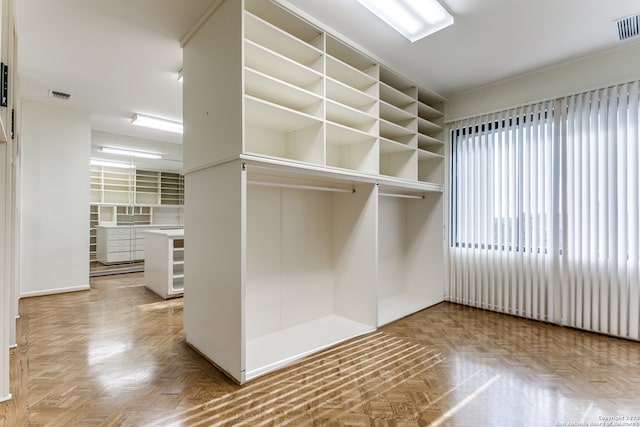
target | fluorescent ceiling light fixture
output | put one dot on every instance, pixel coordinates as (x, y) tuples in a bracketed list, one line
[(156, 123), (100, 162), (133, 153), (414, 19)]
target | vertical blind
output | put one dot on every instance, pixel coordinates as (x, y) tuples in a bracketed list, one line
[(544, 213)]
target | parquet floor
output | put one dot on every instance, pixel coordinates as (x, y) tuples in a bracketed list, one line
[(115, 356)]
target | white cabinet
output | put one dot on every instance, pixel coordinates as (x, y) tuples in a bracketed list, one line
[(164, 262), (314, 190), (118, 244)]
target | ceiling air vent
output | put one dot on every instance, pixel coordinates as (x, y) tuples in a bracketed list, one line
[(54, 94), (628, 27)]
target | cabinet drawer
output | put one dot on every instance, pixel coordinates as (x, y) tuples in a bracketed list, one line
[(124, 231), (119, 257), (120, 246), (118, 237), (125, 256)]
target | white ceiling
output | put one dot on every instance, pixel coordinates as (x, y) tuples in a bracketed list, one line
[(120, 57), (115, 57)]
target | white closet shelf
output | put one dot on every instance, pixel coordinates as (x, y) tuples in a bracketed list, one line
[(348, 116), (260, 85), (348, 55), (112, 188), (339, 134), (427, 142), (388, 146), (273, 38), (395, 131), (428, 112), (429, 155), (350, 96), (349, 75), (259, 58), (395, 97), (394, 114), (427, 127), (279, 167), (267, 115), (267, 352)]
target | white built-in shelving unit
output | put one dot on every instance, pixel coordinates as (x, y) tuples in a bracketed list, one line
[(130, 197), (120, 186), (314, 190)]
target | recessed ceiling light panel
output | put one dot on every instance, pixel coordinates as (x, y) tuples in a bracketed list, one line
[(133, 153), (414, 19), (156, 123)]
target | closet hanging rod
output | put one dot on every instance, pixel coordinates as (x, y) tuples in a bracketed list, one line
[(400, 196), (300, 187)]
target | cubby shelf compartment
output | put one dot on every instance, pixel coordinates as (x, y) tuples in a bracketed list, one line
[(280, 67), (429, 105), (349, 148), (398, 160), (274, 117), (351, 97), (398, 98), (364, 81), (400, 116), (431, 167), (274, 39), (351, 58), (427, 127), (394, 132), (267, 88), (278, 131), (351, 117), (429, 155), (428, 112), (429, 143)]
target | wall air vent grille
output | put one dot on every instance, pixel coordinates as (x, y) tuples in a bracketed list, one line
[(628, 27), (54, 94)]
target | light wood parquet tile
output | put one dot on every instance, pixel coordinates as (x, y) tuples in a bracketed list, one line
[(116, 356)]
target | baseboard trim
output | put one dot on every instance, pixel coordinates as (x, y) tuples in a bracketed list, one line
[(55, 291), (12, 346), (4, 399), (126, 270)]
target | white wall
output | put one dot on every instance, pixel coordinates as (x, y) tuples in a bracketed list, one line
[(611, 67), (56, 144), (5, 294)]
